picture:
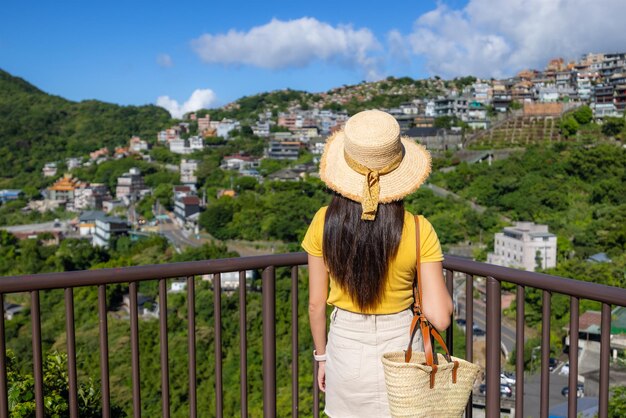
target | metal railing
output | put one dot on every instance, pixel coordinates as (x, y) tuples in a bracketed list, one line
[(133, 275)]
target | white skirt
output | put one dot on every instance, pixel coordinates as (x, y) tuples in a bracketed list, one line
[(355, 380)]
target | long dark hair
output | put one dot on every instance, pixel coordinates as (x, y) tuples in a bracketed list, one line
[(357, 252)]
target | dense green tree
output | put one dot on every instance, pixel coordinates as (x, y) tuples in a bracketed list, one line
[(583, 115), (617, 402), (612, 126), (569, 126)]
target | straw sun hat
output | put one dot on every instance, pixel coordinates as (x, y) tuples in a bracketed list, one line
[(369, 162)]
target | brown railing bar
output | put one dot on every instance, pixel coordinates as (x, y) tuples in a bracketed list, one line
[(294, 341), (191, 345), (572, 404), (4, 402), (35, 316), (104, 351), (243, 344), (316, 391), (165, 367), (71, 352), (217, 316), (450, 286), (469, 343), (41, 281), (571, 287), (492, 405), (269, 342), (544, 397), (520, 301), (134, 350), (605, 348)]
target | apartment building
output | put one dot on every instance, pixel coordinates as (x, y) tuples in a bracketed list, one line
[(131, 185), (188, 170), (106, 228), (525, 245), (285, 150)]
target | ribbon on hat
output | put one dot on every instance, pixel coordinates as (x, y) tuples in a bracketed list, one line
[(371, 186)]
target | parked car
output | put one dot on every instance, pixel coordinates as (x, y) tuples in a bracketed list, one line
[(507, 378), (461, 323), (552, 363), (478, 331), (505, 390), (580, 390)]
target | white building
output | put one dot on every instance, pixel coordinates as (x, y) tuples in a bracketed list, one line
[(429, 109), (525, 245), (188, 170), (73, 163), (548, 94), (137, 144), (131, 185), (229, 280), (107, 228), (178, 146), (50, 170), (261, 129), (186, 146)]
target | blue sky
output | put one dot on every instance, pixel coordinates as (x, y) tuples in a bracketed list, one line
[(132, 52)]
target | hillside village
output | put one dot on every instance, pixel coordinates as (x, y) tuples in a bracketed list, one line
[(441, 114)]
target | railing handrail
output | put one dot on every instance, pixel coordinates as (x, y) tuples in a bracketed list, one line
[(46, 281), (571, 287), (584, 290)]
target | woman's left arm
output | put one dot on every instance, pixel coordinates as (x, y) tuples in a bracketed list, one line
[(437, 303), (318, 293)]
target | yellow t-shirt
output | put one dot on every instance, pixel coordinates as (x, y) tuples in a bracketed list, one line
[(398, 293)]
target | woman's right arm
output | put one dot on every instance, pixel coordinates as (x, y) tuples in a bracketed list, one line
[(318, 293), (437, 303)]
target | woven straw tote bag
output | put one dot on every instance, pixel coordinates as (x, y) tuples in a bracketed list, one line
[(427, 384)]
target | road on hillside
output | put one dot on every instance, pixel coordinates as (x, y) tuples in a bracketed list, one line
[(441, 192)]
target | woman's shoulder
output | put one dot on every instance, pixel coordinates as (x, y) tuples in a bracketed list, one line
[(409, 220), (319, 216)]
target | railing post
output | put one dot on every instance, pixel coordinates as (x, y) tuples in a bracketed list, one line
[(449, 331), (316, 390), (545, 355), (572, 403), (104, 351), (493, 348), (165, 368), (469, 339), (520, 321), (294, 341), (269, 342), (71, 351), (243, 344), (217, 316), (191, 345), (4, 402), (605, 348), (37, 354), (134, 349)]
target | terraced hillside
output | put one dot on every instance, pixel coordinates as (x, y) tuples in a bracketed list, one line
[(518, 131)]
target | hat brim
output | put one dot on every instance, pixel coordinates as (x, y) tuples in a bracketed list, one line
[(404, 180)]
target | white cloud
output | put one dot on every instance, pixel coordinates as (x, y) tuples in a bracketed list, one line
[(165, 61), (294, 43), (498, 38), (200, 99)]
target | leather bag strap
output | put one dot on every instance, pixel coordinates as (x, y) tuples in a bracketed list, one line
[(429, 333)]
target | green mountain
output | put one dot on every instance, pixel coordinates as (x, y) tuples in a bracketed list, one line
[(36, 127)]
